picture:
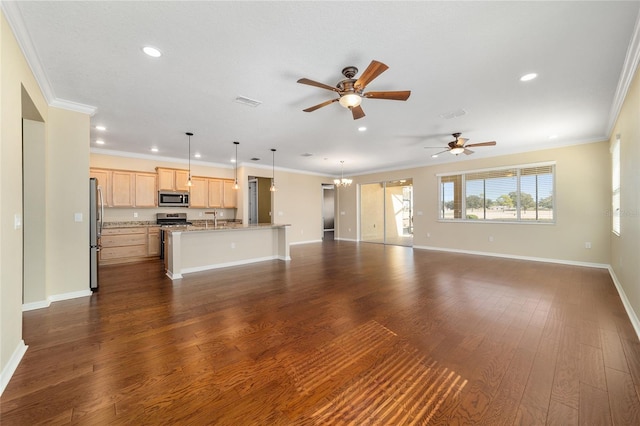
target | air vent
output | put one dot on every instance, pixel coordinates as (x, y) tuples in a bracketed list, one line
[(247, 101), (307, 154), (453, 114), (255, 159)]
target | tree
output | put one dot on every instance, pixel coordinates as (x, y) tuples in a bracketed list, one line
[(504, 201), (526, 201), (546, 202), (474, 202), (449, 204)]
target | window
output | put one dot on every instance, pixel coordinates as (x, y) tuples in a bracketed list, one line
[(615, 186), (510, 194)]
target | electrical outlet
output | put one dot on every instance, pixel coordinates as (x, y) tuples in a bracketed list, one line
[(233, 245), (587, 245), (428, 234), (343, 213), (349, 229), (491, 239), (220, 213), (135, 214), (200, 214)]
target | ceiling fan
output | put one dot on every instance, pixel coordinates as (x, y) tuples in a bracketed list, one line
[(351, 90), (459, 146)]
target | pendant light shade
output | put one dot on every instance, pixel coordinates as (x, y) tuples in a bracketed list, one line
[(189, 134), (235, 185), (273, 171), (342, 181)]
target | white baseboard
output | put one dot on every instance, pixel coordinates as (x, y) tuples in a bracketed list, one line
[(10, 368), (227, 264), (55, 298), (305, 242), (346, 239), (32, 306), (517, 257), (625, 301)]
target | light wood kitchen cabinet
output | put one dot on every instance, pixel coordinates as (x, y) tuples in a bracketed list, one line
[(199, 192), (215, 193), (127, 245), (145, 190), (172, 179), (122, 189), (230, 195), (104, 181), (154, 241)]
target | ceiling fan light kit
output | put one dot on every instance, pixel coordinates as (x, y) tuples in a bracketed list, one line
[(350, 90)]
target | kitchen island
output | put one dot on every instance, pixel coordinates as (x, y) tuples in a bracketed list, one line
[(199, 248)]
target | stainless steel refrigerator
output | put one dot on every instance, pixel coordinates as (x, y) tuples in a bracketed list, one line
[(96, 212)]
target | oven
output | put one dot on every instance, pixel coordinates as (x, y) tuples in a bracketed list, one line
[(169, 220)]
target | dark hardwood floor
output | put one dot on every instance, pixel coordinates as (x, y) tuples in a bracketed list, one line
[(345, 333)]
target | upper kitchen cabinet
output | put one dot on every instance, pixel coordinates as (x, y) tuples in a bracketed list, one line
[(172, 179), (215, 193), (104, 183), (199, 192), (145, 190), (124, 188), (230, 195)]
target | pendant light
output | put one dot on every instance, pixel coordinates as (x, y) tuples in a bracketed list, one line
[(273, 171), (236, 186), (342, 181), (189, 134)]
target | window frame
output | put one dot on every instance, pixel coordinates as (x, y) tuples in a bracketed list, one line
[(518, 219)]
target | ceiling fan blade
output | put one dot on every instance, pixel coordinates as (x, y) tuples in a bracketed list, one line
[(438, 153), (325, 103), (468, 151), (401, 95), (492, 143), (374, 69), (357, 112), (316, 84)]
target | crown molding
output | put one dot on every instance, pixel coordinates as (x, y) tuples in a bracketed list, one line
[(626, 76), (16, 22)]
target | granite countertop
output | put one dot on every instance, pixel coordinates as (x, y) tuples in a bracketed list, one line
[(196, 223), (228, 227), (129, 224)]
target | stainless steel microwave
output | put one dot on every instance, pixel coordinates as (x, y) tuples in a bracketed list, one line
[(173, 199)]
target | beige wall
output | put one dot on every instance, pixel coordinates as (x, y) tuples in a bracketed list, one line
[(625, 249), (582, 182), (67, 194), (66, 168), (14, 73)]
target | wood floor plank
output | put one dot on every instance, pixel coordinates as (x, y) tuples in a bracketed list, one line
[(344, 333)]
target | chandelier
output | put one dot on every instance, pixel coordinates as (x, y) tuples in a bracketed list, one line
[(342, 181)]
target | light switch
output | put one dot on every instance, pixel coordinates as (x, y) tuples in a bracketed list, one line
[(17, 221), (77, 217)]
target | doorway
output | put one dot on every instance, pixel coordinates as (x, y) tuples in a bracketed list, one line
[(328, 212), (386, 212), (259, 200), (34, 291)]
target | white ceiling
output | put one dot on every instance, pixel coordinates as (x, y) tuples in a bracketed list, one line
[(452, 56)]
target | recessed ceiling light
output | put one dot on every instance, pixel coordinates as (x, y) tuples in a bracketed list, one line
[(197, 155), (233, 160), (553, 136), (154, 149), (528, 77), (100, 142), (101, 128), (362, 129), (434, 156), (152, 51)]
